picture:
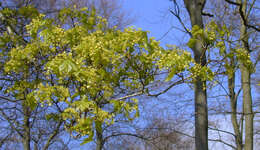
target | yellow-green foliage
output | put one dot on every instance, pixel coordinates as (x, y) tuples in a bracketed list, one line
[(223, 42), (83, 65), (218, 37)]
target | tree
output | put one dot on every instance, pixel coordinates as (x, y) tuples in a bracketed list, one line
[(246, 80), (155, 130), (110, 9), (21, 120), (14, 23), (239, 53), (195, 10), (80, 68)]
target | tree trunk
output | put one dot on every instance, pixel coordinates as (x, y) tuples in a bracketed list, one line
[(247, 100), (233, 101), (26, 123), (100, 142), (195, 8), (246, 85)]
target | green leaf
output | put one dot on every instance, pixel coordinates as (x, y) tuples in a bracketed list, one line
[(52, 116), (31, 101), (67, 66), (170, 75), (98, 126), (89, 138), (192, 42), (124, 45)]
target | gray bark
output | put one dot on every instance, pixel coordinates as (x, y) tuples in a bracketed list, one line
[(246, 85), (195, 8), (233, 101), (247, 100)]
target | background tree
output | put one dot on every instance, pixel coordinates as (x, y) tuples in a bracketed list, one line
[(18, 117), (195, 10), (230, 61), (155, 130), (234, 59)]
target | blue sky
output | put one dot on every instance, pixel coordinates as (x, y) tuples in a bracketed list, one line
[(154, 16)]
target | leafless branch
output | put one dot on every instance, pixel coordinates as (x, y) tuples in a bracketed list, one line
[(243, 16), (168, 88), (127, 134), (219, 130), (176, 13), (221, 141), (52, 136)]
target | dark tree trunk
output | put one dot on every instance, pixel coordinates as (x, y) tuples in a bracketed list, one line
[(99, 134), (26, 124), (195, 8)]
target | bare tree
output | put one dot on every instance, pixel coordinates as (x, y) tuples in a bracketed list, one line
[(156, 132), (245, 40)]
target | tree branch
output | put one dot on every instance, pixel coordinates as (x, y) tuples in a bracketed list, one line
[(222, 131), (221, 141), (242, 15), (176, 13), (167, 89), (127, 134), (52, 136)]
